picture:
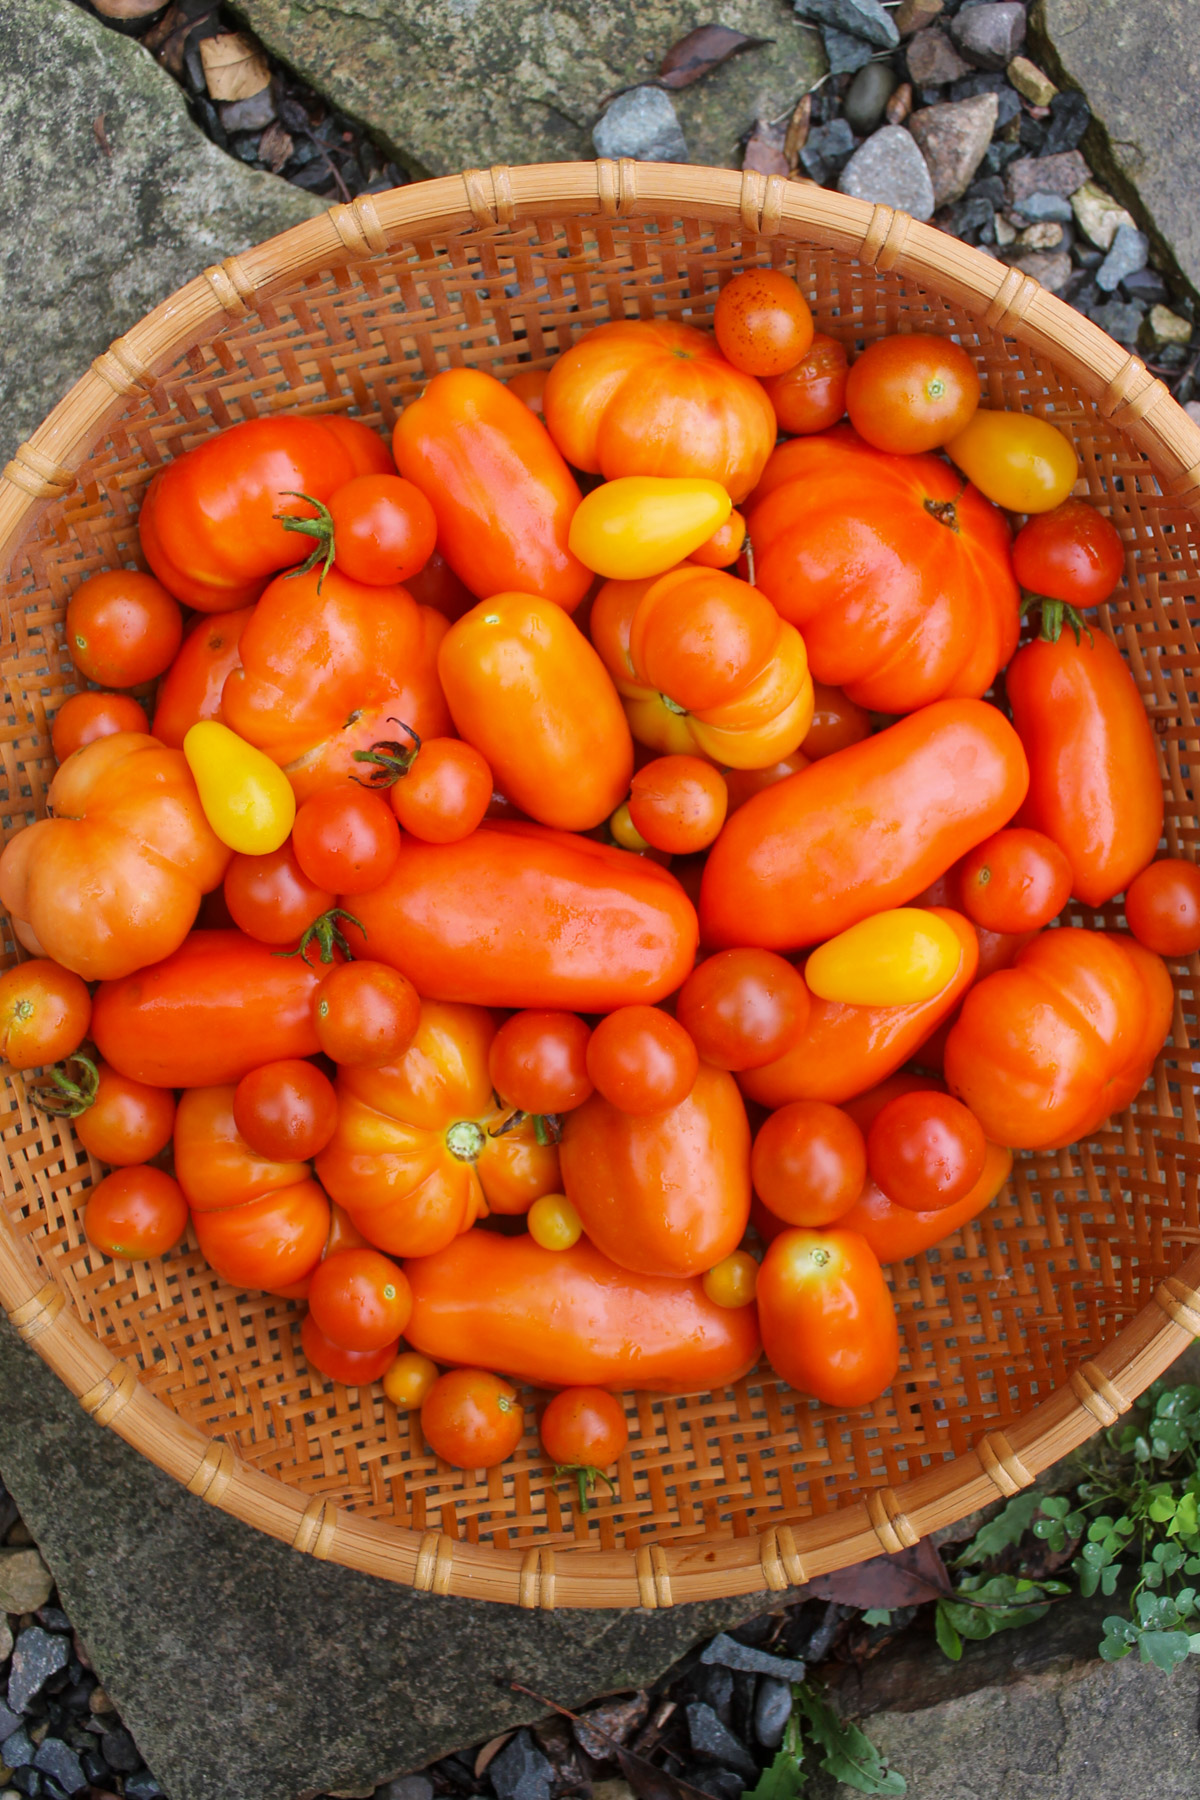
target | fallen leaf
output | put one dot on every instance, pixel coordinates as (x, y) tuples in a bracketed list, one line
[(100, 135), (764, 150), (907, 1579), (492, 1748), (647, 1781), (900, 104), (275, 146), (796, 135), (234, 68), (702, 51), (613, 1721), (167, 40)]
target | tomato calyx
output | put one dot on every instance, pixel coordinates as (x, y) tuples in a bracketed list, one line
[(466, 1141), (62, 1097), (1055, 613), (547, 1127), (328, 936), (391, 760), (946, 511), (320, 528), (586, 1476)]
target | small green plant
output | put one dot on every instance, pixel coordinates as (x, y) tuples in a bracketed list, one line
[(846, 1753)]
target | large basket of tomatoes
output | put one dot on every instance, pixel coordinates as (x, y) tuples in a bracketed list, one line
[(572, 911)]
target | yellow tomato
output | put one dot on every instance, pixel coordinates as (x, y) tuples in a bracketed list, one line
[(624, 831), (733, 1281), (553, 1222), (1024, 464), (892, 959), (247, 799), (408, 1379), (643, 525)]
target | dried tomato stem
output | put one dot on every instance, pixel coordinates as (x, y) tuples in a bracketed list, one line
[(61, 1097), (391, 760)]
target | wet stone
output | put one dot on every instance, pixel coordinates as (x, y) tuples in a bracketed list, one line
[(38, 1655), (730, 1654), (1039, 209), (60, 1763), (889, 168), (772, 1710), (519, 1772), (1069, 119), (1129, 253), (713, 1687), (1122, 319), (990, 35), (867, 97), (714, 1742), (827, 150), (641, 124)]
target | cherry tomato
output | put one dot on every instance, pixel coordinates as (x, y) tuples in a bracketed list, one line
[(471, 1419), (444, 792), (732, 1281), (127, 1122), (1163, 907), (408, 1379), (895, 958), (554, 1223), (538, 1062), (286, 1110), (809, 1163), (584, 1430), (828, 1321), (641, 1060), (626, 834), (911, 393), (529, 385), (743, 1008), (45, 1011), (1022, 463), (726, 544), (925, 1150), (353, 1368), (742, 784), (346, 839), (762, 322), (381, 529), (366, 1014), (1071, 557), (1016, 881), (360, 1299), (836, 723), (122, 628), (83, 718), (678, 803), (135, 1212), (811, 395), (270, 897)]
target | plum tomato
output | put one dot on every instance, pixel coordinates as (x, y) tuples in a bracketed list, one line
[(122, 628), (353, 1368), (925, 1150), (726, 544), (583, 1432), (383, 529), (1017, 880), (346, 839), (642, 1060), (1070, 559), (678, 804), (471, 1419), (762, 322), (127, 1121), (135, 1212), (286, 1110), (366, 1014), (538, 1062), (732, 1281), (360, 1299), (1162, 907), (1017, 461), (811, 395), (444, 791), (911, 392), (270, 897), (743, 1008), (809, 1163), (82, 718), (408, 1379), (836, 723), (45, 1011), (553, 1222)]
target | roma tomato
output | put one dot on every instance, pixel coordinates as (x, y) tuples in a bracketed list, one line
[(501, 492), (346, 839), (379, 529), (538, 1062), (642, 1060), (925, 1151), (192, 687), (666, 1193), (441, 789), (809, 1163), (785, 871), (365, 1014), (126, 1122), (1163, 907), (112, 880), (1070, 559), (246, 799), (570, 924), (360, 1299), (678, 803), (285, 1109), (811, 396), (643, 525), (648, 397), (762, 322), (1016, 881), (911, 392), (83, 718), (135, 1212), (408, 1379), (45, 1011), (1044, 1052), (122, 628), (836, 723), (527, 689), (1020, 462), (1094, 784), (899, 578), (828, 1322), (572, 1318), (471, 1419), (270, 897), (583, 1430), (353, 1368), (743, 1008)]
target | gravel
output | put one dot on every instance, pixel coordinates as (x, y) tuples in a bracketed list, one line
[(38, 1655), (772, 1710), (890, 169), (641, 124), (731, 1654), (990, 35), (1129, 254)]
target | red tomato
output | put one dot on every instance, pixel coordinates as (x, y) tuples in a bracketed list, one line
[(836, 723), (192, 687), (83, 718), (894, 1233), (1016, 881), (360, 1299), (1163, 907), (538, 1062), (365, 1014), (925, 1151), (135, 1212), (678, 803), (381, 530), (442, 791), (346, 839), (762, 322), (584, 1430), (45, 1011), (828, 1322), (743, 1008), (911, 393), (353, 1368), (642, 1060), (811, 396), (437, 586), (529, 385), (471, 1419), (726, 544), (286, 1110), (122, 628), (127, 1122), (1071, 557), (270, 897), (809, 1163)]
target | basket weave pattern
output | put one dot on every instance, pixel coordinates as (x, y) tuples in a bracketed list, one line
[(1036, 1324)]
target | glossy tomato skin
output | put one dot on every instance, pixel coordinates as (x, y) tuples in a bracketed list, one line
[(742, 1008), (1020, 462), (726, 544), (762, 322), (529, 385), (502, 494), (346, 839), (353, 1368), (208, 523), (526, 688), (894, 1233), (438, 587), (365, 1014), (1073, 554), (785, 872), (641, 1060), (127, 1122), (666, 1193), (538, 1061), (742, 784), (925, 1151), (82, 718), (445, 792), (572, 1318), (571, 924), (270, 897), (1163, 907), (219, 1007), (286, 1109), (122, 628), (360, 1299), (191, 689), (1045, 1051), (678, 803), (584, 1428), (135, 1212), (1016, 881), (811, 396), (828, 1322), (836, 723), (45, 1011), (809, 1163), (911, 392), (471, 1419), (1094, 785), (383, 529)]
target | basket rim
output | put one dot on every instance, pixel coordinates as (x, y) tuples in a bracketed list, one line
[(790, 1552)]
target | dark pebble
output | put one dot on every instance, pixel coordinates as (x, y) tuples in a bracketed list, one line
[(867, 97), (27, 1781), (1174, 356), (79, 1738), (1032, 136), (95, 1767), (314, 177), (51, 1789), (9, 1722), (823, 1636), (251, 114), (616, 1719), (757, 1630), (1069, 119), (1007, 99), (772, 1710), (245, 146), (119, 1751), (1147, 285), (989, 188), (731, 1655), (722, 1784), (60, 1763), (1121, 319), (971, 218), (998, 155), (141, 1786), (54, 1619), (520, 1771), (1081, 291), (713, 1687), (714, 1742), (205, 115), (17, 1750), (406, 1787), (39, 1655), (193, 67), (828, 150)]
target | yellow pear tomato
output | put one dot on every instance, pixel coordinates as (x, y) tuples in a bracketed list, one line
[(1024, 464), (892, 959), (247, 799), (643, 525)]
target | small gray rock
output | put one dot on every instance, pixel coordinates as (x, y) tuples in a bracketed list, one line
[(1122, 319), (730, 1654), (828, 150), (60, 1763), (38, 1655), (9, 1722), (1053, 268), (141, 1786), (17, 1750), (715, 1742), (933, 60), (861, 18), (406, 1787), (1147, 285), (843, 52), (889, 168), (6, 1640), (721, 1784), (642, 124), (520, 1771), (990, 35), (251, 114), (1063, 174), (25, 1581), (867, 97), (119, 1751), (772, 1710), (1130, 252), (952, 138), (1038, 209)]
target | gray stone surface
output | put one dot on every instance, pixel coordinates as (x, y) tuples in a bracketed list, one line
[(990, 35), (1039, 208), (1052, 268), (248, 1672), (1129, 254), (868, 95), (864, 19), (844, 52), (459, 86), (25, 1581), (1061, 174), (952, 138), (890, 168), (933, 60), (91, 239), (1138, 64), (643, 124)]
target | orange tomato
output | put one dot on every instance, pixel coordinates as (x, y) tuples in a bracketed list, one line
[(762, 322), (45, 1011), (1163, 907), (809, 1163), (726, 544), (742, 784), (353, 1368), (811, 396), (471, 1419), (83, 718), (135, 1212), (828, 1322), (678, 803), (641, 1060), (191, 689), (743, 1008), (912, 392), (127, 1122), (836, 723), (894, 1233)]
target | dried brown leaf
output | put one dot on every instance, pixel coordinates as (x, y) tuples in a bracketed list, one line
[(900, 104), (167, 40), (492, 1748), (234, 67), (702, 51), (796, 135), (613, 1721), (647, 1781), (275, 146), (100, 135), (907, 1579), (764, 151)]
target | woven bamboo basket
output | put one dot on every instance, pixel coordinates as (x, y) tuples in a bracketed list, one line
[(1038, 1324)]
